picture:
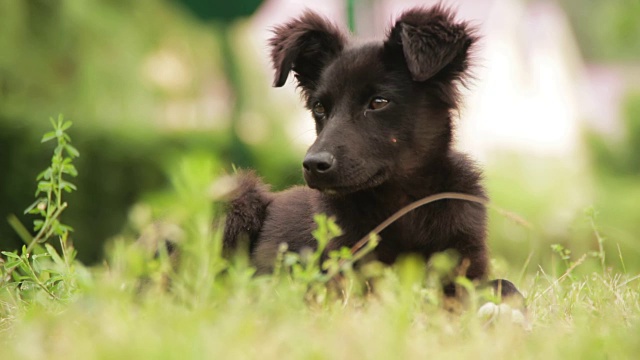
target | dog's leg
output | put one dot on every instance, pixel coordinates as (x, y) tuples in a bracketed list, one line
[(246, 212), (506, 289), (511, 305)]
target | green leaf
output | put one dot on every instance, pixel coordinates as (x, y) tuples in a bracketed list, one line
[(70, 184), (18, 277), (33, 205), (334, 229), (52, 280), (46, 174), (10, 254), (12, 263), (48, 136), (67, 186), (37, 224), (60, 120), (73, 152), (70, 170), (465, 283), (23, 266), (38, 256), (66, 125), (37, 211), (54, 254), (66, 228), (44, 186)]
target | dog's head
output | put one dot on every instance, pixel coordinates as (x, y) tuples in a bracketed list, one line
[(382, 109)]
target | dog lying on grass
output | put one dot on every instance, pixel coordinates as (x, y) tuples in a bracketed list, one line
[(383, 114)]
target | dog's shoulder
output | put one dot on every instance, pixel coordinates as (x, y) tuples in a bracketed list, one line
[(289, 220), (461, 223), (466, 175), (298, 197), (290, 214), (246, 210)]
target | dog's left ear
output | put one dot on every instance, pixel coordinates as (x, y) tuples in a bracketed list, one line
[(305, 46), (432, 43)]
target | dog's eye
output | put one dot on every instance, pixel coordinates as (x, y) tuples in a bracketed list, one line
[(318, 109), (378, 103)]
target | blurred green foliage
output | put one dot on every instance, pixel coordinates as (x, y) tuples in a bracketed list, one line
[(617, 174), (94, 61), (606, 30), (575, 210), (620, 158)]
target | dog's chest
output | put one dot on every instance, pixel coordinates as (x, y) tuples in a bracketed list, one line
[(414, 233)]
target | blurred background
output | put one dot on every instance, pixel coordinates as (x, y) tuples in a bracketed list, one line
[(553, 115)]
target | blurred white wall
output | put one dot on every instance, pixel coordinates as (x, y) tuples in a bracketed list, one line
[(529, 93)]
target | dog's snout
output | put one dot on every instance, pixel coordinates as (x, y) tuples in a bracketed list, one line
[(319, 163)]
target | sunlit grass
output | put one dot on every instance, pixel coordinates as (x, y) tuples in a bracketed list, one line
[(238, 316)]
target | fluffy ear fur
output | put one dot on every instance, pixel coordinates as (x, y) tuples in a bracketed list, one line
[(304, 45), (433, 43)]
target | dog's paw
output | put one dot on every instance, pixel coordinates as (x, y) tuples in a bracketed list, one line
[(491, 313)]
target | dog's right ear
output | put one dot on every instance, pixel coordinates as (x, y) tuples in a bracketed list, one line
[(305, 46), (433, 43)]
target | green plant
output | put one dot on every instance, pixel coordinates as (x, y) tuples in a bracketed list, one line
[(39, 267), (321, 274)]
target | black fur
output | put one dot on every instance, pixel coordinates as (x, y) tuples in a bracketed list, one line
[(246, 213), (305, 46), (367, 163)]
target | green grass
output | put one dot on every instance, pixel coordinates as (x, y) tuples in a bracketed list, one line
[(237, 316), (139, 304)]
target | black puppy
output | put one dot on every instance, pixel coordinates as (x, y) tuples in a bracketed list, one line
[(383, 113)]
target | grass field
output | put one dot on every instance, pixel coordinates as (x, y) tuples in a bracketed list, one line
[(143, 304)]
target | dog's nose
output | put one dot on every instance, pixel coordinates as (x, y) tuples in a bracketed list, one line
[(318, 163)]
